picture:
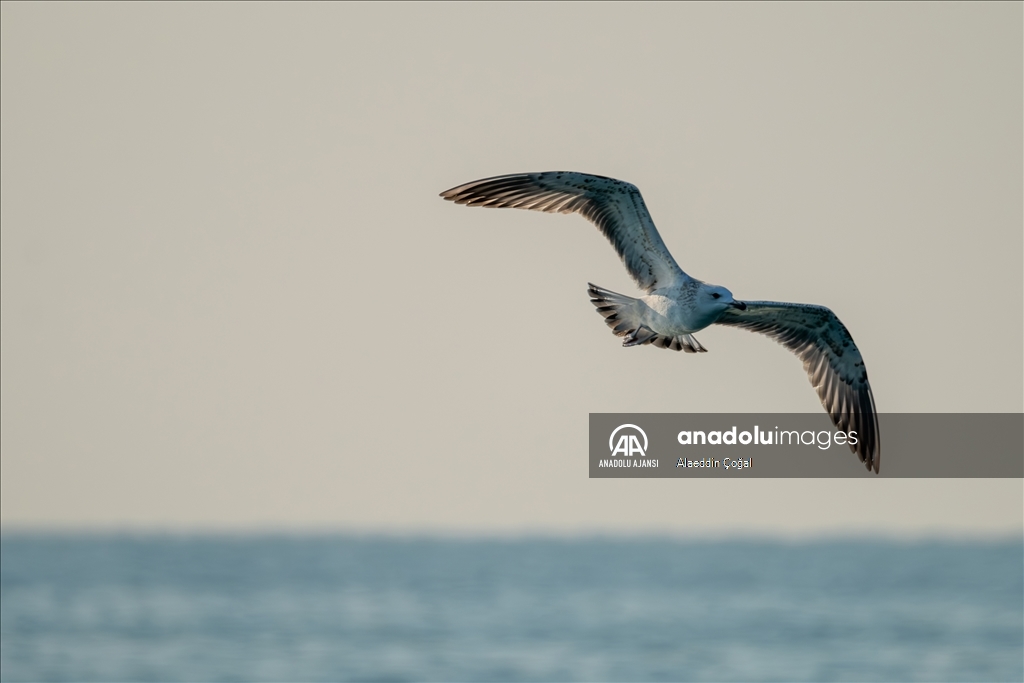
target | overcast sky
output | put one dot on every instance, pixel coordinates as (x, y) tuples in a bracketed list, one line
[(232, 299)]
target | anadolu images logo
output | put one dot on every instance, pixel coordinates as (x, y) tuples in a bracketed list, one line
[(628, 444)]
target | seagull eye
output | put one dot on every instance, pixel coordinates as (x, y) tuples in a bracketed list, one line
[(717, 295)]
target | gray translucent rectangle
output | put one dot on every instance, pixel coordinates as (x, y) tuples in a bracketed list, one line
[(924, 445)]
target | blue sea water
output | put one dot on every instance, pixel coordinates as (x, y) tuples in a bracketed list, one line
[(284, 608)]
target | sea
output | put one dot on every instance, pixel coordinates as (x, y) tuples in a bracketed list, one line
[(376, 608)]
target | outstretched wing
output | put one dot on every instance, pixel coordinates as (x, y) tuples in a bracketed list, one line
[(831, 359), (612, 205)]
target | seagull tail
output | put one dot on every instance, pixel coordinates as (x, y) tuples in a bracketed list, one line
[(622, 314)]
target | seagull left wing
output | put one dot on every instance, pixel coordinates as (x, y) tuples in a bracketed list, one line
[(831, 359), (614, 206)]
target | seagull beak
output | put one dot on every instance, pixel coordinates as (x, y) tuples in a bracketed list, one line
[(739, 304)]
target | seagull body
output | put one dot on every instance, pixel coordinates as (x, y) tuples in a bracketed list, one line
[(676, 305)]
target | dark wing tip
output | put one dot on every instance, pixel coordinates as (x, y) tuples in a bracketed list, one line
[(465, 192), (452, 195), (869, 448), (869, 454)]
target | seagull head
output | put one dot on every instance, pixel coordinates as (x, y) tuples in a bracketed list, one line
[(715, 299)]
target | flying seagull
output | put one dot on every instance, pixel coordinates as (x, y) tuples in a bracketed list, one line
[(677, 305)]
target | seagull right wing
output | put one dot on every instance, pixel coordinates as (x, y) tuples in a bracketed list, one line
[(831, 359), (614, 206)]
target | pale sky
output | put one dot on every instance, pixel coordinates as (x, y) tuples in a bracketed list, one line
[(232, 299)]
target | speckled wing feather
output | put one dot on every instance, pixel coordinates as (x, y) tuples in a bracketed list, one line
[(613, 206), (831, 360)]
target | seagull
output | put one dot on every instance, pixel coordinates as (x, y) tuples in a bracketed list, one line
[(676, 305)]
